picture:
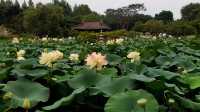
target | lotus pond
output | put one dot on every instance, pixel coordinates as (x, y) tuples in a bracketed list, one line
[(124, 75)]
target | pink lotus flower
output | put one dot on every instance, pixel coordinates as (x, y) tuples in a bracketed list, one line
[(96, 60)]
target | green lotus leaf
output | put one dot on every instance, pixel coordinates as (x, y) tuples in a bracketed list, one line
[(192, 80), (161, 73), (109, 71), (85, 78), (112, 86), (128, 102), (65, 100), (113, 59), (186, 103), (24, 88)]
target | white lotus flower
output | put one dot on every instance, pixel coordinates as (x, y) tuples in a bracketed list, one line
[(119, 41), (74, 57), (55, 39), (134, 56), (110, 42), (15, 40), (49, 58), (45, 39), (154, 37), (20, 58), (21, 53), (61, 39)]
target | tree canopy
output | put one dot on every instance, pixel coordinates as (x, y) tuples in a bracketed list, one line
[(58, 17)]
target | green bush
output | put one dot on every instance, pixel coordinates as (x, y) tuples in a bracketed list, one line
[(93, 36), (180, 28), (151, 26)]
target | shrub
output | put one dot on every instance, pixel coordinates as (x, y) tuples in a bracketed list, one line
[(180, 28), (93, 36), (152, 26)]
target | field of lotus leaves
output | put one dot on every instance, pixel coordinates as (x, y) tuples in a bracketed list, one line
[(123, 75)]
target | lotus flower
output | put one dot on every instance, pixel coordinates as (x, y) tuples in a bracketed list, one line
[(49, 58), (15, 40), (74, 57), (20, 58), (119, 41), (110, 42), (96, 60), (134, 56), (20, 55)]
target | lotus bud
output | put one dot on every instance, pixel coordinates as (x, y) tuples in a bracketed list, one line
[(142, 102), (184, 71), (171, 101), (54, 79), (2, 65), (7, 96), (26, 103), (45, 50), (74, 57)]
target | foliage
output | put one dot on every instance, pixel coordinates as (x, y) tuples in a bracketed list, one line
[(51, 24), (58, 17), (180, 28), (164, 79), (191, 11), (165, 16), (152, 26), (123, 16), (93, 36)]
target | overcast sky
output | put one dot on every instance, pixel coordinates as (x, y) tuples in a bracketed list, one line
[(153, 6)]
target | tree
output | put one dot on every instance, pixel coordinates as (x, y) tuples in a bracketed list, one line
[(153, 27), (165, 16), (30, 3), (191, 11), (180, 28), (56, 2), (8, 10), (16, 8), (92, 17), (24, 5), (196, 25), (44, 20), (81, 10), (2, 11), (66, 6), (13, 21), (123, 15)]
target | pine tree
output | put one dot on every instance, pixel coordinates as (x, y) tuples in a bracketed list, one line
[(2, 2), (30, 3), (16, 4), (66, 6), (24, 5), (56, 2), (16, 7), (2, 11), (8, 3)]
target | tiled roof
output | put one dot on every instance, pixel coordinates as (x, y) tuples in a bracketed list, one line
[(97, 25)]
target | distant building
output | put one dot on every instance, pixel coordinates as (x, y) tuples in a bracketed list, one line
[(92, 26)]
